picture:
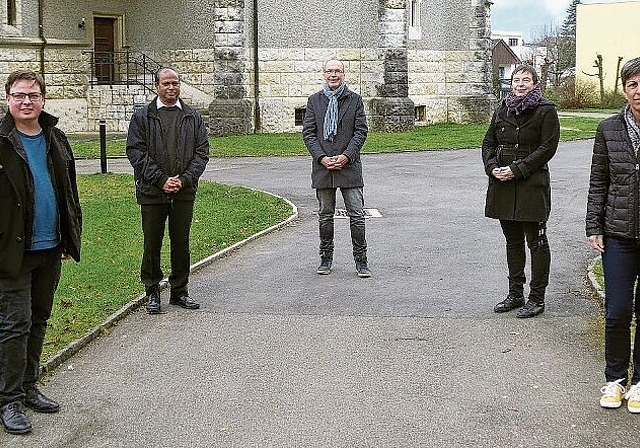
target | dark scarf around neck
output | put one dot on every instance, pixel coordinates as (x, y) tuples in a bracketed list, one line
[(518, 104)]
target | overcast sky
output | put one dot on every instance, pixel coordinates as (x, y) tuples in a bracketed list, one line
[(531, 17)]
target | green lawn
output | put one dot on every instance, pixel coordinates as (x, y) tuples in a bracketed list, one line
[(108, 275), (439, 136)]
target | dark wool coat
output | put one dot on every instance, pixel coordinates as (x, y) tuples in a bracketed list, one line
[(145, 150), (614, 184), (17, 194), (351, 135), (524, 143)]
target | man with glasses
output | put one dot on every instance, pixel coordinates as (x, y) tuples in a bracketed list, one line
[(40, 224), (334, 130), (168, 148)]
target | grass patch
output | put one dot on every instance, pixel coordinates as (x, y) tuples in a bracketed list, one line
[(594, 110), (108, 276), (575, 128), (440, 136)]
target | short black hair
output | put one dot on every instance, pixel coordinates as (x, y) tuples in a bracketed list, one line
[(526, 68)]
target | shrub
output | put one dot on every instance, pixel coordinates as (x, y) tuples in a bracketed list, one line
[(574, 95), (613, 100)]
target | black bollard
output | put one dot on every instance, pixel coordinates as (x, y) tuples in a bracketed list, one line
[(103, 146)]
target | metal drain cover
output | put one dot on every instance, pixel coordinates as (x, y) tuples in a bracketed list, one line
[(368, 213)]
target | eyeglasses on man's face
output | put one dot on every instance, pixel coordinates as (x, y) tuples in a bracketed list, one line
[(21, 96), (336, 71), (167, 84)]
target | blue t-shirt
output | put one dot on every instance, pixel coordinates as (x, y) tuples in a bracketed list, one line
[(45, 218)]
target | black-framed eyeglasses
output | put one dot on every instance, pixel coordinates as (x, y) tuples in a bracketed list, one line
[(335, 71), (21, 96)]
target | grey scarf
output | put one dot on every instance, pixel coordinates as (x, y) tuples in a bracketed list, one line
[(331, 116), (518, 104), (632, 128)]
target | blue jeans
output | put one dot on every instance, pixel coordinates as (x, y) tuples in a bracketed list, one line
[(621, 264), (25, 307), (354, 203)]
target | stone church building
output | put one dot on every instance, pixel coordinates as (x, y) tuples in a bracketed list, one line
[(249, 65)]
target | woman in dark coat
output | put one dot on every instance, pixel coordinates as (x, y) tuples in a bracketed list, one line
[(522, 137), (613, 229)]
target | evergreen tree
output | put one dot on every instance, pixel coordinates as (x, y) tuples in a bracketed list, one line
[(567, 42), (569, 24)]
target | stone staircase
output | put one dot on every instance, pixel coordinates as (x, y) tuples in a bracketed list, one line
[(116, 104)]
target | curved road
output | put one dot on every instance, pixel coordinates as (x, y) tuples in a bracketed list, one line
[(413, 357)]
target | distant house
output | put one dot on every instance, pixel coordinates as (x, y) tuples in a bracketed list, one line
[(503, 62), (250, 65), (609, 30), (533, 55)]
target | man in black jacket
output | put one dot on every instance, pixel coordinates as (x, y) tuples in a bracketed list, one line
[(40, 224), (168, 148), (334, 130)]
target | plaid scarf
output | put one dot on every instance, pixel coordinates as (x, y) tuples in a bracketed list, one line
[(518, 104), (632, 128), (331, 115)]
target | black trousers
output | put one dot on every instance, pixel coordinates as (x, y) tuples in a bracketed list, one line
[(154, 219), (535, 233), (25, 307)]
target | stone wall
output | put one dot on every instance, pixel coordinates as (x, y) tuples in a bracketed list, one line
[(289, 75), (450, 85)]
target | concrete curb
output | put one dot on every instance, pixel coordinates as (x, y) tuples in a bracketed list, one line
[(75, 346)]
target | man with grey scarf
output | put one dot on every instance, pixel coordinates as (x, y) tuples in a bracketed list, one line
[(334, 130)]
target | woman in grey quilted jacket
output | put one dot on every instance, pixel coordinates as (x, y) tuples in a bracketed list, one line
[(613, 229)]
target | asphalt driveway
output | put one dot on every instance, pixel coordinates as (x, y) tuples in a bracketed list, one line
[(413, 357)]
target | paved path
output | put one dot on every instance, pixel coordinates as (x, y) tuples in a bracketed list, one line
[(412, 357)]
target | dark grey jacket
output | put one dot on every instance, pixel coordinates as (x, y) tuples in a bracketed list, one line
[(351, 135), (17, 194), (614, 184), (524, 143), (145, 150)]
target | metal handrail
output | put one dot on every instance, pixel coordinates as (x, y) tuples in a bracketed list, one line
[(122, 68)]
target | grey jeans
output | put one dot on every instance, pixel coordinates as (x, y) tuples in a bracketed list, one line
[(354, 203)]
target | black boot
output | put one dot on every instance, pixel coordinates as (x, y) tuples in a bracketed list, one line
[(530, 309), (362, 268), (325, 266), (508, 304)]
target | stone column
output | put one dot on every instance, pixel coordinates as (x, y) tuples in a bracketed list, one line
[(230, 112), (480, 105), (392, 110)]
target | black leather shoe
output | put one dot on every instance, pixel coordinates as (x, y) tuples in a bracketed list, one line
[(185, 302), (14, 419), (153, 302), (508, 304), (39, 402), (530, 309)]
